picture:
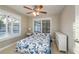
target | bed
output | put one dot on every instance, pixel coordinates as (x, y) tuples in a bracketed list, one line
[(37, 43)]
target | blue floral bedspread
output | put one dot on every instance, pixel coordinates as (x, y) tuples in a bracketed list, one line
[(38, 43)]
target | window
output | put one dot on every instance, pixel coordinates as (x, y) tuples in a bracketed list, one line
[(37, 26), (9, 25), (13, 25), (2, 25), (42, 25), (16, 26), (46, 26)]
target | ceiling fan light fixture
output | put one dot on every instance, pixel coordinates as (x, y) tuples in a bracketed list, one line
[(34, 13), (38, 9), (37, 13)]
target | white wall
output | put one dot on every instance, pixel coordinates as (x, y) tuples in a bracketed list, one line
[(66, 24), (55, 23), (30, 24)]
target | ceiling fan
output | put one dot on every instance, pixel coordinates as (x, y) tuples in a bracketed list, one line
[(36, 10)]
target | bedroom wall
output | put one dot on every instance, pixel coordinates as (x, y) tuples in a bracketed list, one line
[(30, 24), (66, 24), (55, 23), (24, 24)]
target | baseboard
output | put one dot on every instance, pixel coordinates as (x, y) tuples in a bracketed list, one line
[(71, 52), (7, 46)]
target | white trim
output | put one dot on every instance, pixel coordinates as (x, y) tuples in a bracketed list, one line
[(20, 26), (1, 49), (41, 25)]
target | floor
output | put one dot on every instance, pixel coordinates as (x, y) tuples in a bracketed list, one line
[(54, 48), (11, 49)]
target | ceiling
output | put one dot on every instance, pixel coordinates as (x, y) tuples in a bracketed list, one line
[(50, 9)]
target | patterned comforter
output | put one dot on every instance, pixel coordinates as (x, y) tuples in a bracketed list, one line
[(38, 43)]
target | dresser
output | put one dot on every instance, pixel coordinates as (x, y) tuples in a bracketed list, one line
[(61, 41)]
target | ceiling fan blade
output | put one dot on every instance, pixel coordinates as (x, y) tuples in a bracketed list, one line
[(43, 12), (28, 8), (29, 12)]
